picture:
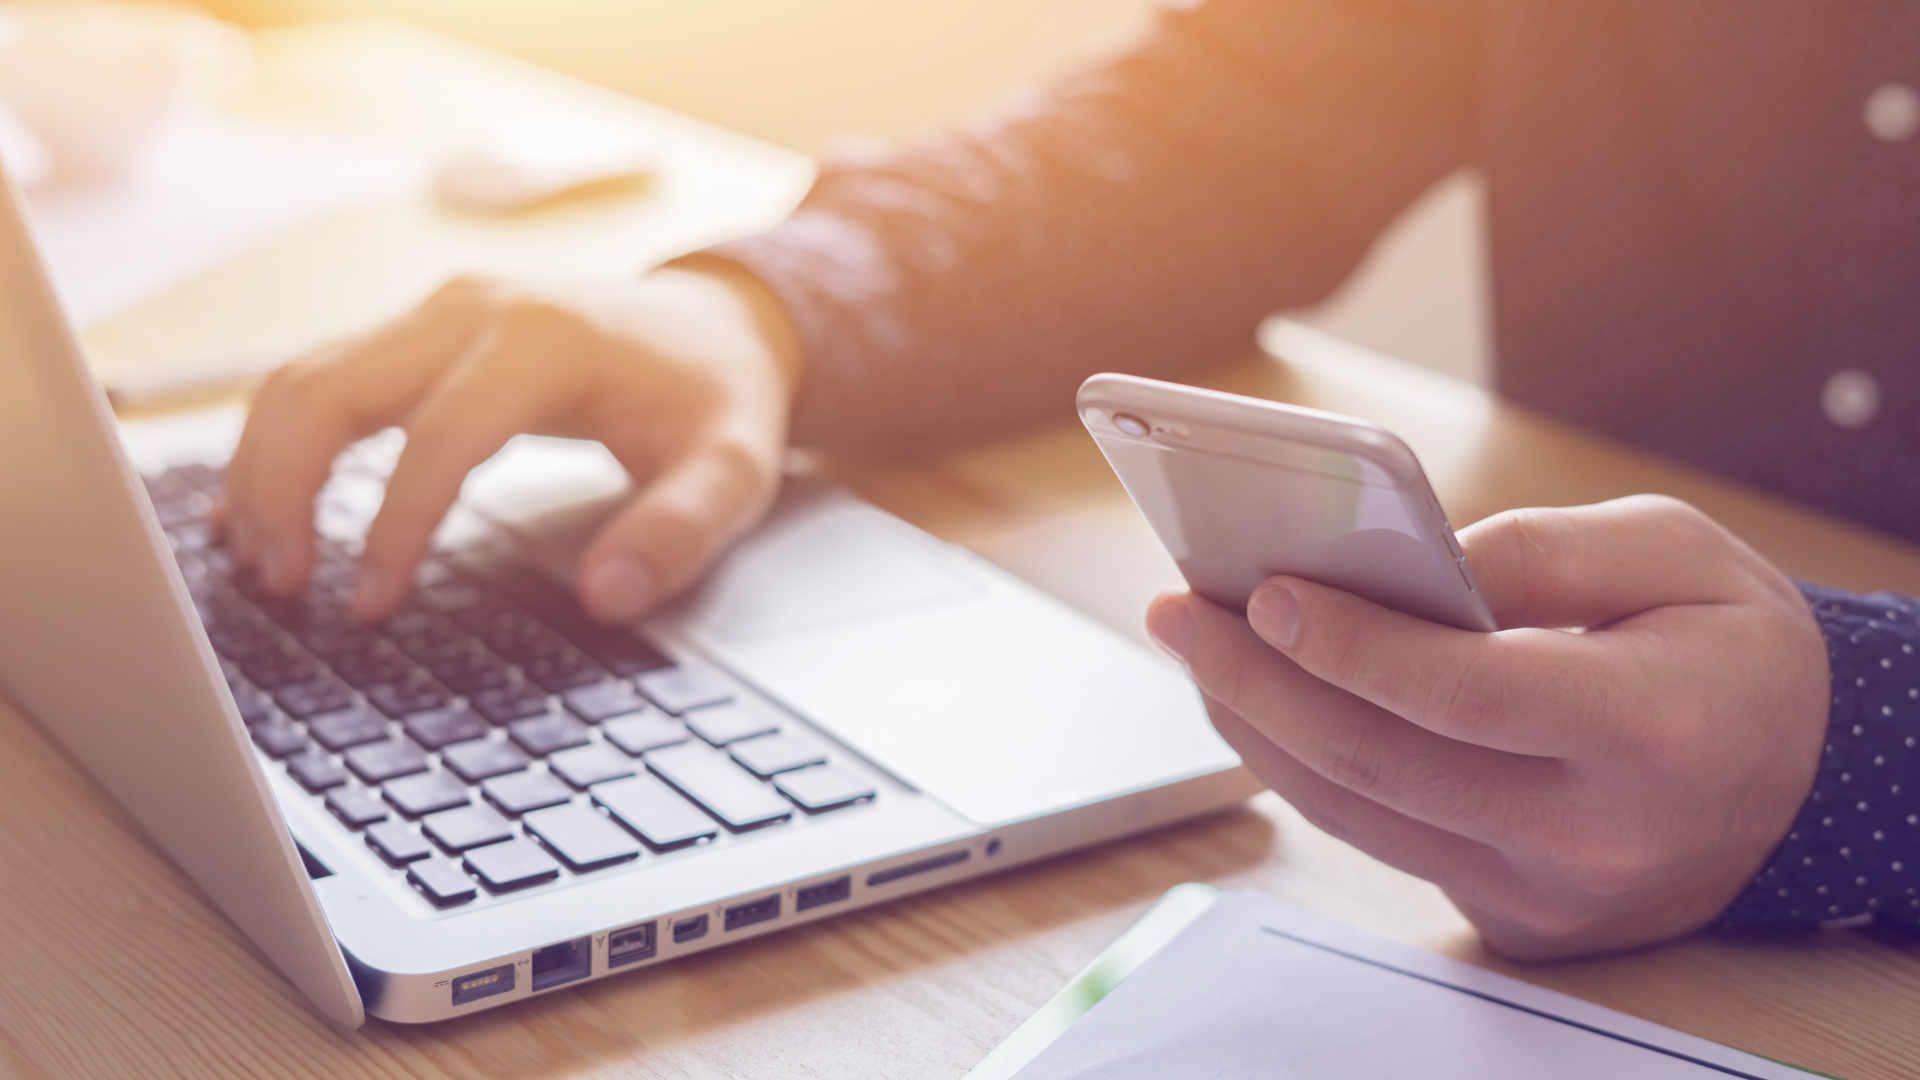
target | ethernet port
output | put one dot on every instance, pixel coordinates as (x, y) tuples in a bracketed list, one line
[(562, 963)]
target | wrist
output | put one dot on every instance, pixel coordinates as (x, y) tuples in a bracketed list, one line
[(758, 306), (1853, 850)]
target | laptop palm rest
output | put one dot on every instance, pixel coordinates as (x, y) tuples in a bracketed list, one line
[(958, 679)]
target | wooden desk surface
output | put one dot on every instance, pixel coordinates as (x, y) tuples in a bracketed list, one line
[(113, 964)]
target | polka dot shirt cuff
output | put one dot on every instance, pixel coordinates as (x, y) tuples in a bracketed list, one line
[(1853, 852)]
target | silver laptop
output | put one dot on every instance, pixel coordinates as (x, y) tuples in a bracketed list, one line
[(488, 797)]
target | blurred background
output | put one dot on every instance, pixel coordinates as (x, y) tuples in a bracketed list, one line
[(800, 74)]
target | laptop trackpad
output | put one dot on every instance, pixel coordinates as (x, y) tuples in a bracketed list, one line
[(821, 561), (1003, 703)]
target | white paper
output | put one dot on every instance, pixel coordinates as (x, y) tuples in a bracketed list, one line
[(211, 189), (1257, 989)]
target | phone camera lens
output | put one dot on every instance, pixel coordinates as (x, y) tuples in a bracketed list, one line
[(1130, 424)]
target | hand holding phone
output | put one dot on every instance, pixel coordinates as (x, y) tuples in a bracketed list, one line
[(1239, 490), (1608, 771)]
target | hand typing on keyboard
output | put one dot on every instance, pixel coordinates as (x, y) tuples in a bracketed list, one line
[(685, 375), (486, 736)]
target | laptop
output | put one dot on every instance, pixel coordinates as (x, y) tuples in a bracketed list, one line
[(488, 797)]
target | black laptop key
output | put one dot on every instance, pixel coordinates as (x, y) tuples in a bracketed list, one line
[(514, 864), (771, 755), (387, 759), (441, 881), (542, 735), (410, 621), (197, 475), (185, 510), (722, 788), (603, 699), (527, 586), (335, 570), (517, 793), (466, 827), (472, 671), (380, 664), (644, 733), (255, 707), (237, 643), (424, 793), (416, 693), (622, 653), (273, 668), (299, 613), (316, 771), (334, 641), (448, 596), (518, 637), (595, 763), (721, 725), (279, 737), (165, 484), (190, 534), (421, 635), (655, 812), (481, 759), (515, 702), (322, 694), (685, 688), (223, 605), (478, 618), (356, 807), (565, 668), (582, 837), (397, 842), (823, 788), (443, 727), (348, 727)]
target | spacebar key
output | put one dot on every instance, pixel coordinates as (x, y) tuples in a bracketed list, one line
[(727, 791)]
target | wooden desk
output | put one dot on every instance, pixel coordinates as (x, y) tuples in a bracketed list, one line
[(112, 963)]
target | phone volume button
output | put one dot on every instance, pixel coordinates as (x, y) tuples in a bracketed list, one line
[(1460, 563)]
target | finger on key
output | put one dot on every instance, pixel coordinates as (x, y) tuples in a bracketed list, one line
[(307, 412), (500, 389), (677, 525)]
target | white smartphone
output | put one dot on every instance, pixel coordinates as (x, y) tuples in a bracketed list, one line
[(1239, 489)]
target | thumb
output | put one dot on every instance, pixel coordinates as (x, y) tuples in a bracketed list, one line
[(678, 524), (1588, 565)]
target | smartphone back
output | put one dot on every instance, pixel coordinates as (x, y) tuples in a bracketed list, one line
[(1240, 489)]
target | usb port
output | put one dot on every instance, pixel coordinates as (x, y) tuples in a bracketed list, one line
[(689, 928), (822, 893), (630, 945), (741, 916), (480, 984)]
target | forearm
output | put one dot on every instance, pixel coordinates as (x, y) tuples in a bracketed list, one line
[(1142, 216), (1854, 849)]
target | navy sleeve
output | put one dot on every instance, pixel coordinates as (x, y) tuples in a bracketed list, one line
[(1853, 853)]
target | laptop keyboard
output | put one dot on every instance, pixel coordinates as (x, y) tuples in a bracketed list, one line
[(488, 737)]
